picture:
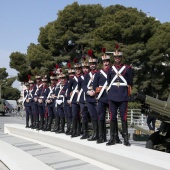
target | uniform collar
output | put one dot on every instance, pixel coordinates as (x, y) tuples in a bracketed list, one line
[(118, 66), (78, 75), (94, 71), (106, 69)]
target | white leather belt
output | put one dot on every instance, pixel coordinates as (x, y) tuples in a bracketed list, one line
[(60, 96), (119, 84), (102, 86)]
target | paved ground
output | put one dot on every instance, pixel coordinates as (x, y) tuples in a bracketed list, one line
[(2, 166), (54, 158)]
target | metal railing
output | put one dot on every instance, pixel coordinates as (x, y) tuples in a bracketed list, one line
[(134, 116)]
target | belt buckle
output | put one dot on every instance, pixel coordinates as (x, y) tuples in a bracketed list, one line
[(118, 84), (90, 87)]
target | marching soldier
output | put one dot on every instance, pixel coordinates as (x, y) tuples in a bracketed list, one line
[(42, 96), (82, 101), (120, 81), (90, 96), (35, 103), (100, 84), (73, 90)]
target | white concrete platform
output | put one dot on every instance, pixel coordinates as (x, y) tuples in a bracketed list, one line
[(16, 159), (117, 156)]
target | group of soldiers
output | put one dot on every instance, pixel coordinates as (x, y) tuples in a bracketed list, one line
[(82, 97)]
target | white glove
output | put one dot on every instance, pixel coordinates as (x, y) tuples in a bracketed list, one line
[(59, 102)]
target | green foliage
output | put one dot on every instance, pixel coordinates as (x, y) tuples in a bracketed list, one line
[(10, 93), (78, 28), (134, 105), (18, 61), (3, 73)]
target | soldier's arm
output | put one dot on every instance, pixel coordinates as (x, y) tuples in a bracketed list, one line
[(69, 87), (96, 81), (46, 94), (84, 85), (109, 78)]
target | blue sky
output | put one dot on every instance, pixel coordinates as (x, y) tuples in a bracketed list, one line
[(20, 20)]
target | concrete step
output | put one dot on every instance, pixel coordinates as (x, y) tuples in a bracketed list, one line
[(115, 157)]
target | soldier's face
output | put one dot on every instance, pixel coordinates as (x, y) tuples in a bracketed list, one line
[(71, 75), (53, 81), (31, 85), (44, 83), (62, 80), (92, 66), (118, 59), (38, 80), (78, 71), (85, 70), (106, 62)]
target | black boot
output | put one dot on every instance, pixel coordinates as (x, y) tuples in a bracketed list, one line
[(101, 132), (95, 135), (41, 123), (34, 121), (125, 133), (68, 126), (37, 122), (78, 127), (85, 130), (113, 134), (118, 141), (27, 122), (105, 132), (31, 118), (45, 124), (74, 133), (49, 124), (62, 125), (56, 124), (71, 127)]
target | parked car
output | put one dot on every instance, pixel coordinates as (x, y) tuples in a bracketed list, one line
[(2, 107)]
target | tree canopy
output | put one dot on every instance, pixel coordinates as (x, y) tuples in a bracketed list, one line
[(144, 41), (8, 92)]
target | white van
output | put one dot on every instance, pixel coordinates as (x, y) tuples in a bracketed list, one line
[(11, 105)]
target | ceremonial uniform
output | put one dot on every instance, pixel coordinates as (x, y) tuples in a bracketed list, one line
[(56, 128), (99, 84), (69, 115), (118, 90), (72, 93), (81, 99), (120, 79), (31, 98), (90, 98), (42, 96), (35, 103), (26, 103), (60, 102), (51, 102)]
